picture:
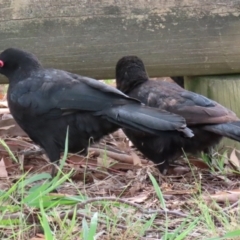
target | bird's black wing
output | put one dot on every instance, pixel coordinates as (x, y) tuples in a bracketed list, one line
[(56, 89), (195, 108)]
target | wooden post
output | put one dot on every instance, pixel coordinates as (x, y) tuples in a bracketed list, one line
[(224, 89), (173, 37)]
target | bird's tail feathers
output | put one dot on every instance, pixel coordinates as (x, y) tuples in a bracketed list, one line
[(146, 119), (229, 130)]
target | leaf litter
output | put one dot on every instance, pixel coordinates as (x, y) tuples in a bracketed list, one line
[(114, 168)]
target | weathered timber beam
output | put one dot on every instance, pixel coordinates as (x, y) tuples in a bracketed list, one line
[(174, 37)]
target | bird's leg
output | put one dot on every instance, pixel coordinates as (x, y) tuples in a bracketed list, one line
[(163, 167), (54, 170), (53, 175), (53, 154)]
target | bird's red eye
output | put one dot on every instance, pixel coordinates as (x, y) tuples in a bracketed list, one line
[(1, 63)]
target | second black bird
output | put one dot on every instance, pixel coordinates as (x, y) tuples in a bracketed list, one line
[(209, 120)]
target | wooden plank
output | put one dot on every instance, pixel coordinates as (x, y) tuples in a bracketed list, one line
[(224, 89), (174, 37)]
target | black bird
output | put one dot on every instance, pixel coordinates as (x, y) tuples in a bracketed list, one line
[(208, 120), (44, 102)]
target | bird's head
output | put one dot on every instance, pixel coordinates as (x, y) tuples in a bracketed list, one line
[(15, 62), (130, 71)]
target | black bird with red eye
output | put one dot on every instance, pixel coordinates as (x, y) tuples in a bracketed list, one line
[(45, 102)]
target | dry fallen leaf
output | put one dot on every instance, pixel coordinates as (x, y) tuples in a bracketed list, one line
[(137, 186), (136, 159), (139, 198), (3, 104), (10, 128), (103, 162), (234, 159), (198, 163), (3, 171), (179, 170), (225, 196), (181, 192), (38, 237), (7, 116), (2, 93)]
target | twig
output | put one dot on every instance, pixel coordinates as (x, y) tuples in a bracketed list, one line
[(106, 173), (86, 163), (78, 214), (106, 147), (117, 156), (36, 152), (138, 207), (231, 206), (14, 216)]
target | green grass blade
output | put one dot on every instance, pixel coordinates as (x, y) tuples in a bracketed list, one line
[(228, 235), (185, 232), (44, 223), (93, 226), (157, 190), (2, 142), (147, 225), (34, 178), (85, 230)]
